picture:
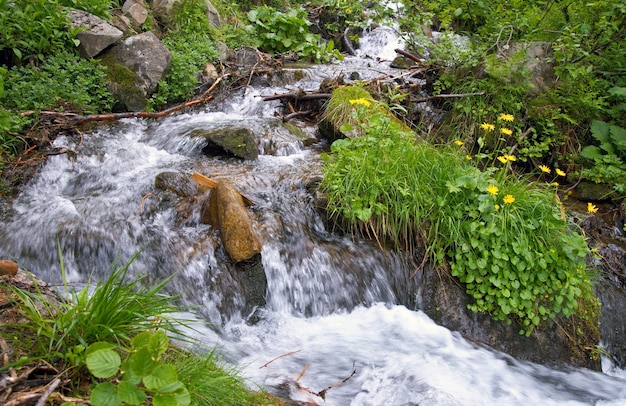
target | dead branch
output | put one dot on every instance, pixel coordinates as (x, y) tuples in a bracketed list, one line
[(302, 372), (280, 356), (322, 393), (410, 56), (298, 97), (48, 392), (448, 96), (296, 114), (212, 184)]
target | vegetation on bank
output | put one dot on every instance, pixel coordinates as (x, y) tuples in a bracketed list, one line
[(112, 337)]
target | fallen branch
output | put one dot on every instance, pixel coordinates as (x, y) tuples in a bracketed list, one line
[(48, 392), (298, 97), (322, 393), (280, 356), (410, 56), (212, 184), (448, 96)]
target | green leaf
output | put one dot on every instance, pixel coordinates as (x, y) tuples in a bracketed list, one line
[(103, 363), (105, 394), (162, 376), (600, 130), (141, 340), (618, 91), (100, 345), (618, 134), (141, 362), (158, 343), (176, 398), (130, 394)]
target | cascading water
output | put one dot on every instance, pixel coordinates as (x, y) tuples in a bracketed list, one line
[(339, 305)]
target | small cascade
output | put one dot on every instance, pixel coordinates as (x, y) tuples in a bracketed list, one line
[(339, 304)]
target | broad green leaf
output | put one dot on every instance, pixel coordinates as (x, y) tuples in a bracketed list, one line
[(105, 394), (600, 130), (141, 362), (103, 363), (141, 340), (178, 398), (100, 345), (618, 134), (618, 91), (158, 343), (162, 376), (130, 394)]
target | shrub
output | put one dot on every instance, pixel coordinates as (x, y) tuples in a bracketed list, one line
[(505, 238)]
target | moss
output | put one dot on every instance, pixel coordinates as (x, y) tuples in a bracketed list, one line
[(117, 74)]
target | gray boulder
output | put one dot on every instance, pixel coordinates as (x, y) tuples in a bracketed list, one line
[(98, 34), (236, 141), (136, 12), (145, 55)]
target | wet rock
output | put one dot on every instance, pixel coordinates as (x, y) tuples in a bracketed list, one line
[(612, 326), (176, 182), (8, 267), (443, 299), (228, 214), (253, 282), (536, 58), (234, 141), (98, 34)]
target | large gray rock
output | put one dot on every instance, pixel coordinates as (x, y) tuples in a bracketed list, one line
[(443, 299), (98, 34), (147, 57), (538, 60)]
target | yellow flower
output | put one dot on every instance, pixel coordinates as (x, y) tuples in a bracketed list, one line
[(492, 190), (488, 127), (497, 206), (458, 142), (555, 183), (506, 117), (468, 157), (510, 157), (592, 208), (503, 159), (506, 131), (361, 101), (508, 199), (544, 168), (559, 172)]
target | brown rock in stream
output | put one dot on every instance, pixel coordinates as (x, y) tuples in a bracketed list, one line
[(229, 215)]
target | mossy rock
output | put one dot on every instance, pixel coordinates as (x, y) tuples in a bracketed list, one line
[(236, 141), (122, 83)]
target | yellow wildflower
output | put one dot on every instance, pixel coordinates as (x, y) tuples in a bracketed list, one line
[(458, 142), (506, 117), (544, 169), (559, 172), (492, 190), (508, 199), (592, 208), (488, 127), (555, 183), (361, 101), (506, 131), (503, 159), (497, 206), (510, 157), (468, 157)]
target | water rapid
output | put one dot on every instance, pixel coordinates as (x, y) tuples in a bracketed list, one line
[(337, 308)]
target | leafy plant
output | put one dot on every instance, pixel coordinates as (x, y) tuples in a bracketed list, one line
[(142, 372), (609, 158), (279, 32), (33, 29)]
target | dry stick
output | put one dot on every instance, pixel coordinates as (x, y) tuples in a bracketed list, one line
[(448, 96), (302, 372), (48, 392), (322, 393), (298, 97), (280, 356), (409, 55), (296, 114)]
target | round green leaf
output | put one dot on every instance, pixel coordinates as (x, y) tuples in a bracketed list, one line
[(162, 376), (103, 363), (178, 398), (105, 394), (158, 343), (130, 394), (141, 362)]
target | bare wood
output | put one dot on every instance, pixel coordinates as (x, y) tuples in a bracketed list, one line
[(410, 56), (448, 96), (302, 372), (204, 180), (280, 356), (48, 392), (296, 114), (298, 97), (212, 184)]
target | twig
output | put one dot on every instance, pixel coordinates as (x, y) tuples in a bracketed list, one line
[(296, 114), (409, 55), (302, 373), (298, 97), (280, 356), (322, 393), (48, 392)]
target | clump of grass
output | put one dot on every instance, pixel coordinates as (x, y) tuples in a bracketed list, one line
[(115, 310)]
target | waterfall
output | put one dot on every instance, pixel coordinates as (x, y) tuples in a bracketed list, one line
[(339, 307)]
